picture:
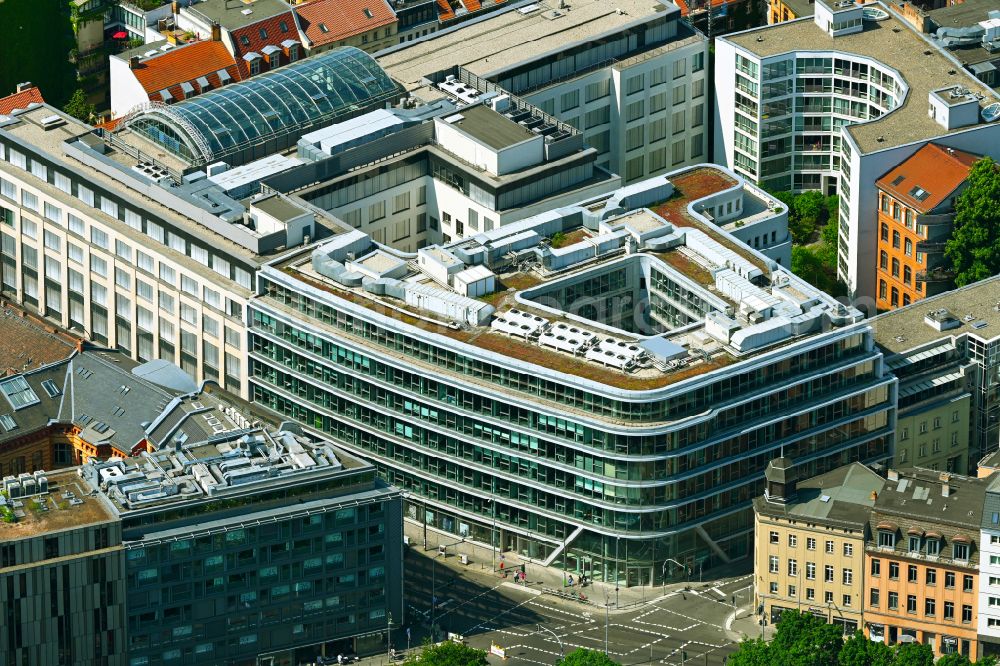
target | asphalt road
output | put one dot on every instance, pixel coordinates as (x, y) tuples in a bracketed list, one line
[(684, 627)]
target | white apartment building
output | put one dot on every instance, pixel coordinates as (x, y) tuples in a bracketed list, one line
[(832, 102), (630, 75), (989, 571)]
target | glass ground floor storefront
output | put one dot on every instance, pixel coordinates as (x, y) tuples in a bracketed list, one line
[(601, 557)]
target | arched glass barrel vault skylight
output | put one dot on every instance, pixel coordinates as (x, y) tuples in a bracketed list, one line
[(246, 120)]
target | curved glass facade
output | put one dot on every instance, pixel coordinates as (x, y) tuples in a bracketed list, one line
[(269, 112), (642, 475)]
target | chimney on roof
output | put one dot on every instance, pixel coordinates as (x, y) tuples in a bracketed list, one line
[(779, 481), (133, 62), (874, 495), (216, 32), (175, 8), (80, 345), (27, 85)]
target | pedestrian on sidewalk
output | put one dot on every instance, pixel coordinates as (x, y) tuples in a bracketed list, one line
[(571, 580)]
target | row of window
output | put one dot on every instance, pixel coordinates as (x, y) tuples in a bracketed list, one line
[(793, 542), (932, 546), (846, 600), (98, 200), (846, 574), (912, 606), (913, 575)]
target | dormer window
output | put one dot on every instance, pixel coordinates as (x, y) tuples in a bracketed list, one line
[(284, 26), (933, 546), (886, 535), (244, 40), (323, 28), (263, 33), (368, 13), (914, 544), (960, 551)]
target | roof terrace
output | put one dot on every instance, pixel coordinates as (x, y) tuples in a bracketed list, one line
[(33, 504), (601, 303)]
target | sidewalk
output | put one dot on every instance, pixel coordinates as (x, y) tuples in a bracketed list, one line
[(747, 625), (549, 580)]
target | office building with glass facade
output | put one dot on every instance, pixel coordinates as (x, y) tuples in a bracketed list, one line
[(834, 101), (608, 400), (250, 546)]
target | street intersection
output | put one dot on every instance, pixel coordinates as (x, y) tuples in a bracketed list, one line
[(534, 626)]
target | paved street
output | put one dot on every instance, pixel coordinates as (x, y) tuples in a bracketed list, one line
[(529, 624)]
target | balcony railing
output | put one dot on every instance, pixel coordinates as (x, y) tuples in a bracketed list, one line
[(935, 275), (939, 218), (930, 246)]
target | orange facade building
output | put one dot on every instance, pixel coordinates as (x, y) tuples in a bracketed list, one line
[(922, 561), (915, 216)]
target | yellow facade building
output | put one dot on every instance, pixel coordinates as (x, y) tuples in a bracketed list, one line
[(810, 542)]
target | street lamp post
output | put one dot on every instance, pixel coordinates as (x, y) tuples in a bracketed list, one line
[(493, 534), (617, 566), (388, 640), (607, 606), (562, 652), (669, 559)]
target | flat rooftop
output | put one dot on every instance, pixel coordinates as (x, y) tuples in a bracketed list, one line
[(66, 505), (234, 14), (894, 44), (904, 329), (508, 37), (27, 127), (227, 465), (491, 128), (964, 15), (528, 320)]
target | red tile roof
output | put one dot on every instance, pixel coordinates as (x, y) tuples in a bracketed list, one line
[(342, 18), (934, 169), (445, 12), (253, 38), (184, 64), (21, 100), (109, 125)]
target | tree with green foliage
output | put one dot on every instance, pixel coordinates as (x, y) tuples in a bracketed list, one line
[(913, 654), (860, 651), (954, 659), (448, 653), (752, 652), (79, 107), (802, 639), (974, 247), (585, 657)]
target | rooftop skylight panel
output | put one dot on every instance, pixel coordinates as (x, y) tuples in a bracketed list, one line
[(50, 388), (18, 393), (8, 422)]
